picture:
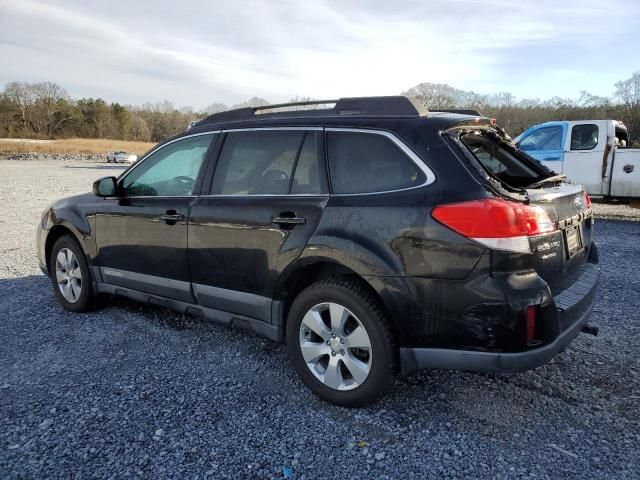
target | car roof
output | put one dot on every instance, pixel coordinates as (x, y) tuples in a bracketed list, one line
[(372, 112)]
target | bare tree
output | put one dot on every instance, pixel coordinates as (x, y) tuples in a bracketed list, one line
[(215, 108), (138, 129), (23, 98), (43, 107), (252, 102), (435, 95), (628, 91)]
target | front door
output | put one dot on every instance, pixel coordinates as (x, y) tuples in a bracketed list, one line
[(545, 144), (268, 194), (141, 234)]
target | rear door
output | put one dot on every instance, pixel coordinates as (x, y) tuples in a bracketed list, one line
[(583, 158), (267, 196)]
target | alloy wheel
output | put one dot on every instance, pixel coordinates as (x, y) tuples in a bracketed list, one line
[(68, 275), (335, 346)]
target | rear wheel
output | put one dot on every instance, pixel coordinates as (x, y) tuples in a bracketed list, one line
[(340, 342), (70, 275)]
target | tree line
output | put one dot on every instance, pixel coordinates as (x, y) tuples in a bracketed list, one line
[(45, 110), (516, 116)]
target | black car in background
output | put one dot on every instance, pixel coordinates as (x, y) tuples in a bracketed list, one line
[(372, 236)]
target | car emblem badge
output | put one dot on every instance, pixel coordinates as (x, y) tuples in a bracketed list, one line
[(579, 203)]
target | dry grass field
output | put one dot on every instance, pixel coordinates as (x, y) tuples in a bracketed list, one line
[(72, 146)]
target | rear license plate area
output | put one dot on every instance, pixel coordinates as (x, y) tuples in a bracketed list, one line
[(572, 240)]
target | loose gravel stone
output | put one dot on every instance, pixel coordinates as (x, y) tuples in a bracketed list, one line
[(85, 395)]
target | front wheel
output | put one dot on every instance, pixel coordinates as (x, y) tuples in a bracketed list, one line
[(70, 275), (341, 343)]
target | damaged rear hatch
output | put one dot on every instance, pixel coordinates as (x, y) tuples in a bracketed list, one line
[(511, 175)]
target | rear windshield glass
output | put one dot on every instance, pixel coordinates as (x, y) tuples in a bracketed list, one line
[(503, 163)]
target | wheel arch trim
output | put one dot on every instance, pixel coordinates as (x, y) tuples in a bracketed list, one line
[(57, 230), (392, 290)]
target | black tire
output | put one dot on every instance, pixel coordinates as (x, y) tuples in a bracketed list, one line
[(86, 300), (365, 306)]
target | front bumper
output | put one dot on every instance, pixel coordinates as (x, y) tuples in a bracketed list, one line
[(41, 237), (573, 305)]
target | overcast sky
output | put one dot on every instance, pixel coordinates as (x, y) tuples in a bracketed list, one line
[(199, 52)]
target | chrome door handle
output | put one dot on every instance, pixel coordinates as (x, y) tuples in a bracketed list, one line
[(289, 220), (628, 168), (171, 217)]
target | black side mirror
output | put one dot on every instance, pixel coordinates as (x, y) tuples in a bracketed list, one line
[(105, 187)]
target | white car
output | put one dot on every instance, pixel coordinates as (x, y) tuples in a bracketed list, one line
[(121, 157)]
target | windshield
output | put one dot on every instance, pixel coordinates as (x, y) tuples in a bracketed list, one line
[(502, 161)]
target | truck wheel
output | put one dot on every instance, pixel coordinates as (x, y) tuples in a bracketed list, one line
[(341, 343), (70, 275)]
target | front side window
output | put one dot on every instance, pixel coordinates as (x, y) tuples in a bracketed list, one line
[(545, 138), (584, 137), (262, 162), (170, 171), (369, 162)]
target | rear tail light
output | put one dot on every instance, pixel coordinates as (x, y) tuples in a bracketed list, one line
[(587, 200), (530, 325), (496, 223)]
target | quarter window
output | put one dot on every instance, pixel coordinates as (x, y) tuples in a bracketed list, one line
[(584, 137), (369, 162), (170, 171), (263, 162)]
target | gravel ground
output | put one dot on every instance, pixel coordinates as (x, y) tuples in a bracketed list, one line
[(137, 391), (616, 211)]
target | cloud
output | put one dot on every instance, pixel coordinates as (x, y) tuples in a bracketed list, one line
[(203, 52)]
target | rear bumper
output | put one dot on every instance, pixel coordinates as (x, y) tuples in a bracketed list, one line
[(573, 305)]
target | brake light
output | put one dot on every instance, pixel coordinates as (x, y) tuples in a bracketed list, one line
[(587, 200), (496, 223), (530, 325)]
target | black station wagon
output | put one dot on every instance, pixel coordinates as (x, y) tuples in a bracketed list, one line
[(371, 235)]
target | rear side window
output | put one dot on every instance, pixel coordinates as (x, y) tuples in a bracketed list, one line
[(263, 162), (369, 162), (545, 138), (584, 137)]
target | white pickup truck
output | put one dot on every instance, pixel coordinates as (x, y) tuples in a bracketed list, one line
[(592, 153)]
